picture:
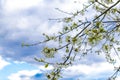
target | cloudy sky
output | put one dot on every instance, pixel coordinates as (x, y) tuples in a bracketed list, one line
[(25, 21)]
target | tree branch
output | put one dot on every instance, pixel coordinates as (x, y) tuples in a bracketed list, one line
[(105, 5), (98, 17)]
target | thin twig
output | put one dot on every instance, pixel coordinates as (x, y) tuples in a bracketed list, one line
[(98, 17), (63, 11), (105, 6), (116, 52), (68, 55)]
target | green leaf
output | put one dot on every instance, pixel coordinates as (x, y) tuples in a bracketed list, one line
[(48, 76), (108, 1), (46, 50), (22, 44), (67, 20), (39, 60), (74, 25), (82, 12), (66, 28), (67, 39), (47, 37), (101, 30), (46, 65), (106, 47), (92, 1), (67, 49), (76, 50), (52, 37), (114, 10), (60, 33), (86, 31), (98, 23), (118, 48), (74, 40), (94, 31), (112, 39)]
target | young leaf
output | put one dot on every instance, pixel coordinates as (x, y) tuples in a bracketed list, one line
[(46, 65), (67, 49)]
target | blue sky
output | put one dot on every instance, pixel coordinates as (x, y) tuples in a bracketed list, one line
[(25, 21)]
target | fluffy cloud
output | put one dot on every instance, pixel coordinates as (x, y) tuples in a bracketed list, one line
[(15, 5), (93, 71), (23, 75), (3, 63), (30, 74), (12, 6), (26, 21)]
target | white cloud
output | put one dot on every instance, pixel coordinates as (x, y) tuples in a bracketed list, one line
[(71, 6), (11, 6), (88, 70), (3, 63), (30, 27), (95, 71), (26, 73), (45, 28), (15, 5), (20, 25), (23, 23), (17, 62)]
